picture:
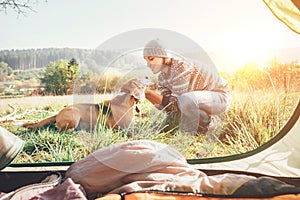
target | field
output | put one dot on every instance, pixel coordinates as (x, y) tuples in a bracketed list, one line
[(253, 119)]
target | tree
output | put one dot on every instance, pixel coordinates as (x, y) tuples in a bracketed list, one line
[(87, 83), (5, 71), (19, 6), (59, 77)]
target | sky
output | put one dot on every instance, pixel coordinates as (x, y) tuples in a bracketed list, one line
[(245, 29)]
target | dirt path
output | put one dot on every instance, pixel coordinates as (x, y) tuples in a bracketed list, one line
[(38, 102)]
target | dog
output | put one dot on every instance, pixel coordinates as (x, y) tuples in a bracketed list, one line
[(115, 113)]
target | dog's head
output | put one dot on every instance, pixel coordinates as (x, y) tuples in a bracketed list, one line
[(122, 109), (135, 87)]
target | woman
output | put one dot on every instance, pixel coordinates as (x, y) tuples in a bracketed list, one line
[(198, 93)]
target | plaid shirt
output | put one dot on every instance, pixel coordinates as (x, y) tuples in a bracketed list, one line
[(184, 77)]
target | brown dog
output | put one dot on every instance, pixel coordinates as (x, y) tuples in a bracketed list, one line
[(114, 113)]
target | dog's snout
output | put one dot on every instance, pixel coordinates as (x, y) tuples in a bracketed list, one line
[(136, 88)]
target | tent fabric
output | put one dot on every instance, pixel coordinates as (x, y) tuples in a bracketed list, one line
[(288, 11), (10, 147), (280, 159), (166, 196)]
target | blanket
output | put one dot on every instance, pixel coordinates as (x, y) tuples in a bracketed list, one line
[(146, 165)]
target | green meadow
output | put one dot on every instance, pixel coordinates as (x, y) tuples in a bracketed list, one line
[(253, 119)]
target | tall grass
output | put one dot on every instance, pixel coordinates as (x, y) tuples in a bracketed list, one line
[(48, 145), (253, 119)]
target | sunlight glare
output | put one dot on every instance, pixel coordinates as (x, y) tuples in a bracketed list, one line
[(250, 47)]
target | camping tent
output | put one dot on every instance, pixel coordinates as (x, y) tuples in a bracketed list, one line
[(287, 12), (278, 158)]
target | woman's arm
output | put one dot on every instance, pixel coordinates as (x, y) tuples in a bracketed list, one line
[(153, 97)]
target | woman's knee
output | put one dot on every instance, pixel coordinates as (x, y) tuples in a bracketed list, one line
[(186, 103)]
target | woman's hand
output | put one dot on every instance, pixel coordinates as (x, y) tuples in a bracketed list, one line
[(170, 103)]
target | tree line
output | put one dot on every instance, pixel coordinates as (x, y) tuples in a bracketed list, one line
[(26, 59), (59, 77)]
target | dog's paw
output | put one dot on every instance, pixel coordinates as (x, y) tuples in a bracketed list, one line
[(22, 123), (18, 123)]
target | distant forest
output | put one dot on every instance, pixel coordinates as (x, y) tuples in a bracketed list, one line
[(39, 58), (30, 66)]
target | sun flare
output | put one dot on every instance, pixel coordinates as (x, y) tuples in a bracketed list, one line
[(250, 47)]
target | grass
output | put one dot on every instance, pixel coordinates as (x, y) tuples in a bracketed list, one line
[(253, 119)]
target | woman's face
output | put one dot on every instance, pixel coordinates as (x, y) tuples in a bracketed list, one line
[(156, 64)]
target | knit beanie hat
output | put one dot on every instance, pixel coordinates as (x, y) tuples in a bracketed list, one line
[(155, 48)]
